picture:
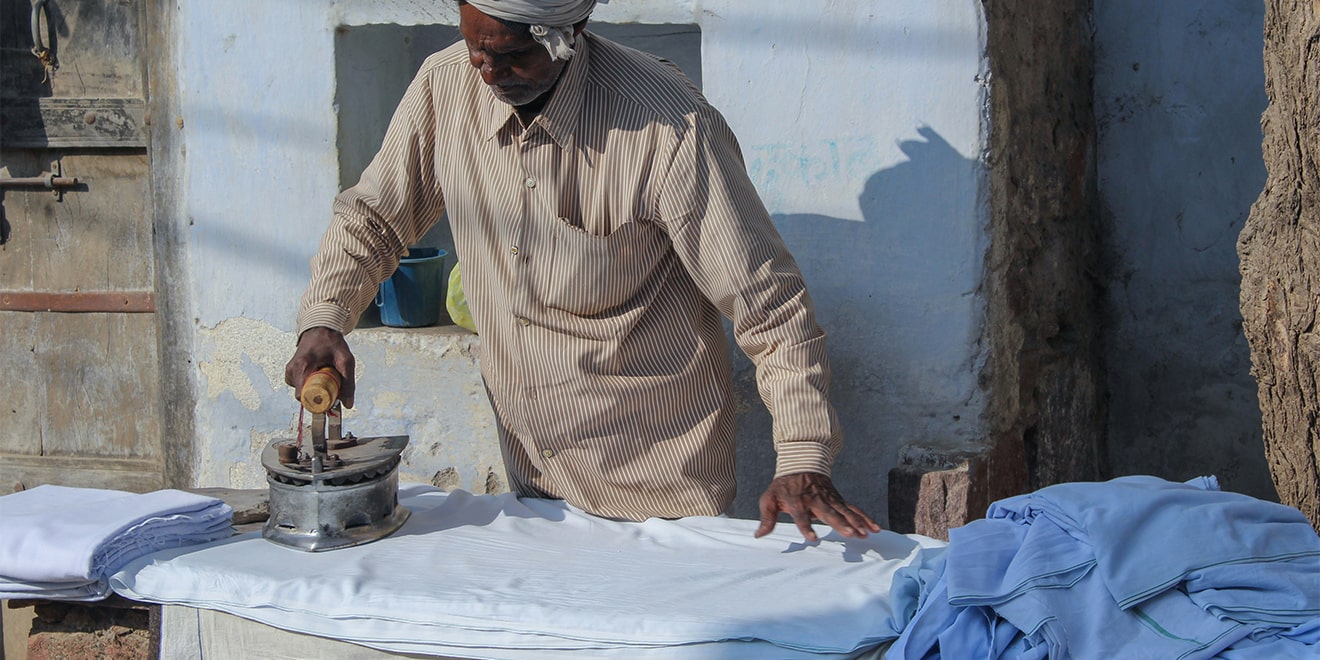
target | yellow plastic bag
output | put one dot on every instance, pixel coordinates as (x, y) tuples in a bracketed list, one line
[(456, 302)]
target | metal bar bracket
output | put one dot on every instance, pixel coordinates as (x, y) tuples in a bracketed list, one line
[(57, 172), (53, 180)]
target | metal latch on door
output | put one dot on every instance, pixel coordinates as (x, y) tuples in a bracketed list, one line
[(53, 180)]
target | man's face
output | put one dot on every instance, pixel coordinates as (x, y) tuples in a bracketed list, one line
[(517, 68)]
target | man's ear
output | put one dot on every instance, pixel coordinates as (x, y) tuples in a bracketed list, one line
[(577, 29)]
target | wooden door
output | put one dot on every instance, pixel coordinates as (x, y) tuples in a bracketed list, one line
[(80, 400)]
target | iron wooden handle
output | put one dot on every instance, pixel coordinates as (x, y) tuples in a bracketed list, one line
[(320, 390)]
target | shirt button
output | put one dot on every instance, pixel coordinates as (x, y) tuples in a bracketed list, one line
[(547, 452), (524, 322), (530, 182), (513, 249)]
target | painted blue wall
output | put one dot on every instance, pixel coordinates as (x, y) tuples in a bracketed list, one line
[(1179, 92)]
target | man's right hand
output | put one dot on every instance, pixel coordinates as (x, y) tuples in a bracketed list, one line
[(317, 348)]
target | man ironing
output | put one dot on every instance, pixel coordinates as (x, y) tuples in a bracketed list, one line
[(605, 223)]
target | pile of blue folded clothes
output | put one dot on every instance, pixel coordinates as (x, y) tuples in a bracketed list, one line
[(61, 543), (1136, 567)]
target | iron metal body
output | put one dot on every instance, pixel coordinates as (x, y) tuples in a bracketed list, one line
[(321, 500)]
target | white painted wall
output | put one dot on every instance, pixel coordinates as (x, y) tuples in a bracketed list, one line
[(862, 127), (861, 124)]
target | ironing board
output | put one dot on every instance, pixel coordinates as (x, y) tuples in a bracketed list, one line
[(498, 577)]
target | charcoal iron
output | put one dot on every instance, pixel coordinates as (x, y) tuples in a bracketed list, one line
[(339, 492)]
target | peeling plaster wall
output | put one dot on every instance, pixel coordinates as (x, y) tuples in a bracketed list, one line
[(420, 383), (862, 127)]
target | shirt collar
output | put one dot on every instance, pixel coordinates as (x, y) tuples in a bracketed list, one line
[(560, 114)]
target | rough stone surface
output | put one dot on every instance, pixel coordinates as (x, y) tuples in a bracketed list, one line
[(1280, 257), (932, 492), (945, 496), (447, 479), (931, 501), (493, 483), (64, 631), (1044, 374)]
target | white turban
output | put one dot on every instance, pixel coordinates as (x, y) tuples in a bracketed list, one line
[(551, 21)]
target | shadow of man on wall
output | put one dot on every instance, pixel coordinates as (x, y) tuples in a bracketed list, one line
[(896, 294)]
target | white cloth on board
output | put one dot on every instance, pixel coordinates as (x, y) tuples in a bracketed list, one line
[(497, 576), (60, 543)]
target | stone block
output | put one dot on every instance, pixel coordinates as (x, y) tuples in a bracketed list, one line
[(75, 631), (932, 491)]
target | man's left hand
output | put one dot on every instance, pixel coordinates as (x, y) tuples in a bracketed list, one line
[(807, 496)]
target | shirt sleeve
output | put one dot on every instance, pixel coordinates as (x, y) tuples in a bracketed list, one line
[(726, 240), (393, 205)]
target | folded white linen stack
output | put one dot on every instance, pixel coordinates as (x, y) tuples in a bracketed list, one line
[(61, 543), (499, 577)]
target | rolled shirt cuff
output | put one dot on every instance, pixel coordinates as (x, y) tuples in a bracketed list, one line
[(325, 315), (803, 456)]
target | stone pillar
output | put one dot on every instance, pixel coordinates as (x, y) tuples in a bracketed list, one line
[(1044, 373)]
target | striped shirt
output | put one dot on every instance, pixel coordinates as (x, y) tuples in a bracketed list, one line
[(601, 244)]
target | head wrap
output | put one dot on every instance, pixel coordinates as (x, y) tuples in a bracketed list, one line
[(551, 21)]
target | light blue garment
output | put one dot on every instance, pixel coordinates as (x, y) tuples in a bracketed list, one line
[(1133, 567), (939, 628), (1301, 642), (1132, 523), (909, 588)]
